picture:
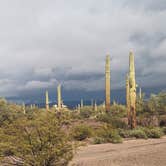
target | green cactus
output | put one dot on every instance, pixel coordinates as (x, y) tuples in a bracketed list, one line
[(132, 90), (107, 83), (95, 107), (128, 98), (23, 107), (59, 97), (47, 101), (82, 103), (140, 93)]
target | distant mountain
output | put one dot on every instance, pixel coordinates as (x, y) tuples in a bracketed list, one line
[(72, 98)]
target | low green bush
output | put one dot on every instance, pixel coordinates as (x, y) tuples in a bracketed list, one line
[(153, 132), (81, 132), (98, 140), (115, 122), (107, 134), (142, 132), (137, 133), (164, 130)]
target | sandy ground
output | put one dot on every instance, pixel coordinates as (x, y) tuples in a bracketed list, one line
[(151, 152)]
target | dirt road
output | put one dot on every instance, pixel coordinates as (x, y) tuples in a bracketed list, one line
[(151, 152)]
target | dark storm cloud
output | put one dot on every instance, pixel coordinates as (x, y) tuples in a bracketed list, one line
[(46, 42)]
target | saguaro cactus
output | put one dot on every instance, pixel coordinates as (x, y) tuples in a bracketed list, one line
[(59, 97), (128, 99), (140, 93), (132, 90), (23, 107), (47, 101), (95, 106), (82, 103), (107, 83)]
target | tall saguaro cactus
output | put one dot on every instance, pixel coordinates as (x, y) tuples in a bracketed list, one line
[(47, 101), (128, 98), (107, 83), (59, 97), (132, 90)]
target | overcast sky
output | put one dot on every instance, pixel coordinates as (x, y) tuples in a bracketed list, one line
[(45, 42)]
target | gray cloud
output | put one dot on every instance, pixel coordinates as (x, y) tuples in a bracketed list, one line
[(46, 42)]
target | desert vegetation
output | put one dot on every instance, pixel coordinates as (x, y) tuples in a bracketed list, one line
[(42, 137)]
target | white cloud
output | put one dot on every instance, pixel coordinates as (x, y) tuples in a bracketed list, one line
[(44, 40)]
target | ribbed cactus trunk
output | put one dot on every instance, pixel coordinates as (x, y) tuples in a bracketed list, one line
[(47, 101), (132, 86), (128, 99), (107, 83), (82, 103), (59, 97), (23, 107)]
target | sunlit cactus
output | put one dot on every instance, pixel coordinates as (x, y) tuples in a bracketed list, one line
[(59, 97), (128, 99), (132, 86), (107, 84), (82, 103), (47, 101), (92, 103), (95, 106), (23, 107), (140, 93)]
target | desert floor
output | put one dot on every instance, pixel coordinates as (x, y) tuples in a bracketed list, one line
[(151, 152)]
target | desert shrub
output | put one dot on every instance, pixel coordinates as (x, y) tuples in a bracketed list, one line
[(109, 135), (153, 132), (137, 133), (81, 132), (124, 133), (164, 130), (86, 112), (38, 141), (115, 137), (115, 122), (118, 110), (98, 140), (9, 112)]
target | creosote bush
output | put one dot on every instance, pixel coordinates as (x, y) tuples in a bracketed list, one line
[(142, 132), (107, 134), (38, 141), (81, 132)]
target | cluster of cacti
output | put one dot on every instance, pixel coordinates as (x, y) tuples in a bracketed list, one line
[(47, 101), (107, 84), (131, 92)]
